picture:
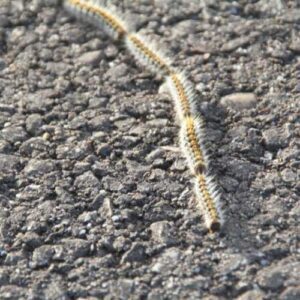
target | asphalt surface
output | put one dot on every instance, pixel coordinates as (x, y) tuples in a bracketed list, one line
[(96, 198)]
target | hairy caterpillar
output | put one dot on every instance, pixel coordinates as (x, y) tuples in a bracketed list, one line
[(208, 198), (181, 90), (183, 95), (190, 139), (147, 54), (99, 15)]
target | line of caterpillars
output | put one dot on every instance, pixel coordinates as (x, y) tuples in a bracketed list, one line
[(192, 132)]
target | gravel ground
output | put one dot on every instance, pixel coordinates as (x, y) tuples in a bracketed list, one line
[(96, 200)]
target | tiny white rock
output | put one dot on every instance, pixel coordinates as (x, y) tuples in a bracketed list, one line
[(239, 101), (90, 58)]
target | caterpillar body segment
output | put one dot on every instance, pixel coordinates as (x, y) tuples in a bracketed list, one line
[(183, 94), (191, 134), (208, 198), (99, 15), (148, 54)]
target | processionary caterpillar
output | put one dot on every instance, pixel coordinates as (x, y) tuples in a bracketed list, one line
[(99, 15), (181, 90), (183, 95)]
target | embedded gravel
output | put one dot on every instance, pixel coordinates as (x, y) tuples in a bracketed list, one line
[(96, 200)]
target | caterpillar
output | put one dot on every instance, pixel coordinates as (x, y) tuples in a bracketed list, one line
[(101, 16), (182, 92), (148, 54), (191, 134), (190, 139), (208, 199)]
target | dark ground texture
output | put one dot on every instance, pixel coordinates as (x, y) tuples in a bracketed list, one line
[(96, 201)]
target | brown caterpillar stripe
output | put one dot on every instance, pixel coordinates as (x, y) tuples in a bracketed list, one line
[(108, 18)]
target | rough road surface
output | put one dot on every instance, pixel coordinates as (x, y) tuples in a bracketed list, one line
[(96, 201)]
